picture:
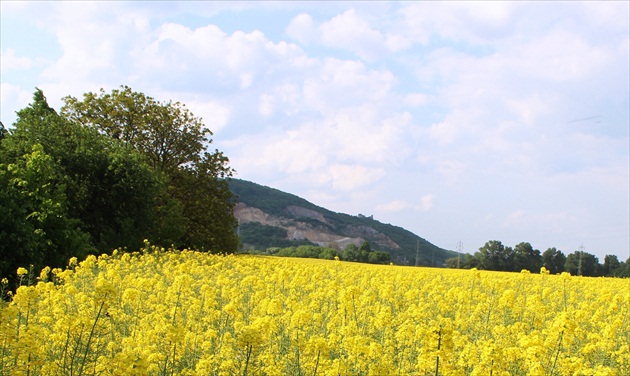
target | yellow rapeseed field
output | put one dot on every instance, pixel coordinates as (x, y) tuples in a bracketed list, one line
[(161, 312)]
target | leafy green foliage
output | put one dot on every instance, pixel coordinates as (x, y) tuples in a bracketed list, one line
[(175, 143), (582, 263), (526, 258), (611, 266), (495, 256), (207, 207), (111, 189), (553, 260), (108, 173), (3, 132), (255, 235), (34, 226), (364, 253), (306, 251), (622, 269), (466, 261), (167, 133), (74, 189), (351, 253)]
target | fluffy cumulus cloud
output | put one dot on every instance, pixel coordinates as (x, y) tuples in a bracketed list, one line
[(12, 97), (393, 206), (347, 151), (302, 29), (424, 204), (12, 62), (349, 31), (513, 114)]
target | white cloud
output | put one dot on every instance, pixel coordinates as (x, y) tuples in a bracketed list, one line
[(416, 99), (207, 57), (350, 31), (351, 177), (465, 99), (266, 105), (215, 115), (246, 80), (347, 152), (13, 96), (10, 61), (91, 38), (346, 83), (426, 202), (559, 56), (393, 206), (301, 29), (477, 23)]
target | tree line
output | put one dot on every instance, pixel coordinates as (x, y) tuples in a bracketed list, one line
[(496, 256), (108, 171), (363, 253)]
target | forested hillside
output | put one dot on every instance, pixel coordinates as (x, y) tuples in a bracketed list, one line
[(292, 220)]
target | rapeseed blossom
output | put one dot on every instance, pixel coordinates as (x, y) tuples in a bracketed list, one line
[(162, 312)]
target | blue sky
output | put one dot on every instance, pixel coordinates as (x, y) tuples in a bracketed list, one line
[(460, 121)]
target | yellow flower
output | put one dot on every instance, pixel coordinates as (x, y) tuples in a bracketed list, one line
[(189, 313), (43, 276)]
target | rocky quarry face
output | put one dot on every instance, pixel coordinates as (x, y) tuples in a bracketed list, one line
[(302, 223)]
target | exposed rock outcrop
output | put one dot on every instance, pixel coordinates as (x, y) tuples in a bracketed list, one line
[(325, 234)]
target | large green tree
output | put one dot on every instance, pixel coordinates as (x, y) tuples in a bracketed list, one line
[(107, 173), (111, 189), (623, 270), (176, 143), (495, 256), (554, 260), (35, 228), (582, 263), (526, 257), (167, 133), (3, 132), (611, 265)]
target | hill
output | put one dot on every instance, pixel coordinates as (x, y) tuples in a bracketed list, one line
[(269, 217)]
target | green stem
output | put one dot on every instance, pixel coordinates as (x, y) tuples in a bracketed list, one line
[(249, 353), (87, 346), (4, 346), (437, 358), (75, 349), (166, 361), (297, 352), (65, 350), (557, 353), (173, 361), (354, 309), (316, 363)]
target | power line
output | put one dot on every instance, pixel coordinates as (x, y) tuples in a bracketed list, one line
[(417, 251), (580, 251)]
